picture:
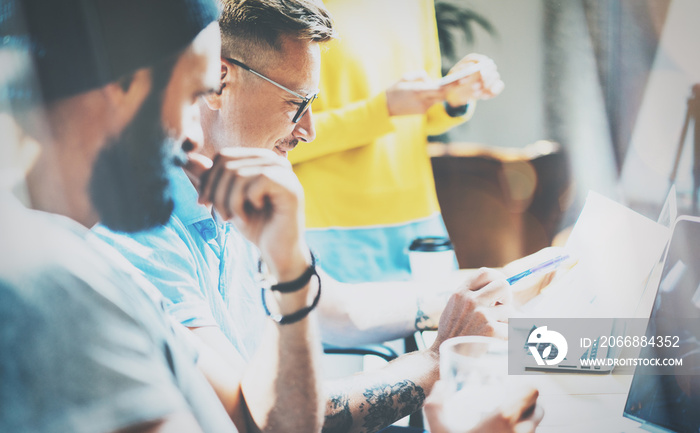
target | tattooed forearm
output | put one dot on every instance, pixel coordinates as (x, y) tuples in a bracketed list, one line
[(379, 406), (338, 416), (387, 403)]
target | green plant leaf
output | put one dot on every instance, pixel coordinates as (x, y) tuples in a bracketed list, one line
[(457, 19)]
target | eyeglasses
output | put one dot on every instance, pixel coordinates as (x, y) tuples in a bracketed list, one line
[(302, 107)]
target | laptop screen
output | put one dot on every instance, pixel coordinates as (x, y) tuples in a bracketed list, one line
[(668, 397)]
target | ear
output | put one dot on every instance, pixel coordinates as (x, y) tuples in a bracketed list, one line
[(125, 99), (213, 100)]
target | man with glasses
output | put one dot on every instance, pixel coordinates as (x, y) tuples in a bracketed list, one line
[(269, 77), (202, 263)]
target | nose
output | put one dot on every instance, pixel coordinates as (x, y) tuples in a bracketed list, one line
[(305, 129), (192, 129)]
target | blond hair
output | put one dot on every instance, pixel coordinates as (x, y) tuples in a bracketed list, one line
[(251, 28)]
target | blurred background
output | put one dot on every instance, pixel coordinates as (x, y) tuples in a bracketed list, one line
[(597, 94)]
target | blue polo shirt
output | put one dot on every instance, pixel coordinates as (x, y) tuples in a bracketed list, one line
[(202, 265)]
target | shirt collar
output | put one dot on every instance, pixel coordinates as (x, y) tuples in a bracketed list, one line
[(187, 209)]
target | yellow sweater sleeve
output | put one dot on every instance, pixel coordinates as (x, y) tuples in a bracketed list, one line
[(439, 121), (354, 125)]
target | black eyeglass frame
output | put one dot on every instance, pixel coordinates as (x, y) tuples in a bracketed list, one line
[(307, 99)]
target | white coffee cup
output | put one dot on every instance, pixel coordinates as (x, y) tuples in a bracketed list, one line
[(431, 257)]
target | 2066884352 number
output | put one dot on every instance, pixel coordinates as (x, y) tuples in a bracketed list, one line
[(637, 341)]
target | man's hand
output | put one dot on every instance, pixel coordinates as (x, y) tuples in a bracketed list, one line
[(484, 84), (258, 191), (531, 286), (518, 414), (480, 307), (413, 94)]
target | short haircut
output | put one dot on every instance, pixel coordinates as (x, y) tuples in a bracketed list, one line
[(252, 28)]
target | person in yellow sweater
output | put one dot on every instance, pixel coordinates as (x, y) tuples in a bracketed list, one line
[(367, 175)]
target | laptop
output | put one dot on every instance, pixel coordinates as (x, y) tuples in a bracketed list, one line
[(667, 398), (589, 359)]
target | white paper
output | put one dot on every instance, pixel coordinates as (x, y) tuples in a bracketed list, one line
[(616, 250)]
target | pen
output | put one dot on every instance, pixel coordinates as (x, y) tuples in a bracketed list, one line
[(549, 264)]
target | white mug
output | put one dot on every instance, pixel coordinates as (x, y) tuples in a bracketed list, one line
[(431, 257)]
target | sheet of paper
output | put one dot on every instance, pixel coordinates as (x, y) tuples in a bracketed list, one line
[(616, 250)]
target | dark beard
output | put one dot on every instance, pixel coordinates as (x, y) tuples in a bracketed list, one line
[(129, 183)]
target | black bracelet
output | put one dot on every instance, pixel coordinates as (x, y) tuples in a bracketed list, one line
[(456, 111), (297, 316), (299, 283)]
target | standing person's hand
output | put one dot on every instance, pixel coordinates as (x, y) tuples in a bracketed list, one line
[(484, 84), (519, 413), (414, 93)]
